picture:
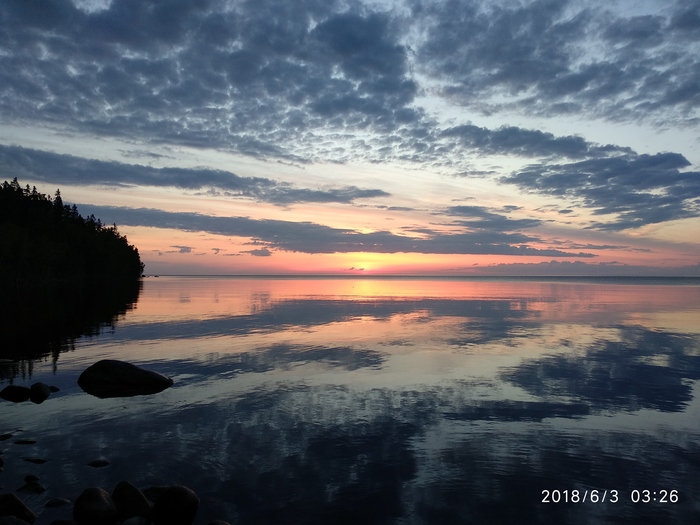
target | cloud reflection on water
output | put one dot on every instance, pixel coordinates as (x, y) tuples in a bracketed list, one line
[(394, 409)]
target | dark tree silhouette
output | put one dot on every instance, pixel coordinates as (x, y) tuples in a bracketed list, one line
[(45, 242), (61, 276)]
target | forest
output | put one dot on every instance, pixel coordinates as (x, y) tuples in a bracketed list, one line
[(48, 244)]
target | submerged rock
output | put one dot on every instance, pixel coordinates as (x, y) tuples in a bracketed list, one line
[(32, 487), (36, 461), (113, 378), (56, 502), (136, 520)]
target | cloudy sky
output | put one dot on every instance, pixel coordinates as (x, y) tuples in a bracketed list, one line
[(365, 137)]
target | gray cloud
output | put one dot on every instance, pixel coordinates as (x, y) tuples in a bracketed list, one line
[(512, 140), (261, 252), (67, 169), (485, 219), (334, 81), (585, 269), (308, 237), (337, 81), (537, 57), (637, 189)]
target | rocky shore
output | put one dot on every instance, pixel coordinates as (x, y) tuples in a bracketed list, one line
[(126, 505)]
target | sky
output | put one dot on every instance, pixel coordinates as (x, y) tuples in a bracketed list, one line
[(534, 137)]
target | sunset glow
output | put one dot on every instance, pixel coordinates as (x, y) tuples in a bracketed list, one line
[(365, 138)]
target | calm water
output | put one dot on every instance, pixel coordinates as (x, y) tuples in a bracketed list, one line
[(386, 401)]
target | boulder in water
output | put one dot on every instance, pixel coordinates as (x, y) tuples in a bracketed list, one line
[(113, 378), (95, 507), (15, 393), (176, 505), (130, 501), (11, 505), (39, 392)]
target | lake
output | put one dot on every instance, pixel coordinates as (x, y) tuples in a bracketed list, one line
[(402, 401)]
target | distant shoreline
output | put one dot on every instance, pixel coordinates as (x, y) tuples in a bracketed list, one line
[(463, 278)]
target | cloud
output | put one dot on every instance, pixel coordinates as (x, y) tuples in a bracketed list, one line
[(260, 252), (484, 219), (183, 249), (557, 57), (585, 269), (258, 78), (511, 140), (334, 82), (308, 237), (636, 189), (45, 166)]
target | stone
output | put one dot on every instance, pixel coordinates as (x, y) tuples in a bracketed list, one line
[(32, 487), (136, 520), (113, 378), (94, 507), (56, 502), (39, 392), (11, 505), (36, 461), (15, 393), (130, 501), (54, 389), (12, 520), (176, 505), (152, 493)]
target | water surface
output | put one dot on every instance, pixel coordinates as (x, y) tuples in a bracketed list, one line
[(403, 401)]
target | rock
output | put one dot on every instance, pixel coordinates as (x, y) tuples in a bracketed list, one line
[(31, 477), (39, 392), (14, 393), (176, 505), (218, 522), (2, 462), (11, 505), (94, 507), (98, 463), (136, 520), (36, 461), (130, 501), (62, 522), (32, 487), (3, 437), (112, 378), (25, 442), (56, 502), (152, 493), (54, 389), (12, 520)]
